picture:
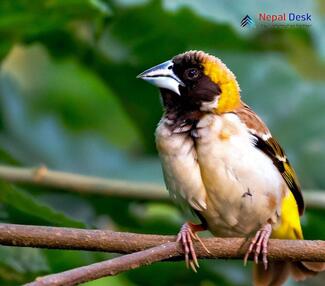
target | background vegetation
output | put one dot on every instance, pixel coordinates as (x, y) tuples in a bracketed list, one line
[(69, 100)]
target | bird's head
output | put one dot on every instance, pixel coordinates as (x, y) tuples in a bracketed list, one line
[(196, 80)]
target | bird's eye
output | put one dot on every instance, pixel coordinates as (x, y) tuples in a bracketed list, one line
[(192, 73)]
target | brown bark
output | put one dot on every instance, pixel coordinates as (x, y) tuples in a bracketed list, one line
[(144, 249), (123, 242), (83, 184), (110, 267)]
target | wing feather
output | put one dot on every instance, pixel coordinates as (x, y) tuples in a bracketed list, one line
[(267, 144)]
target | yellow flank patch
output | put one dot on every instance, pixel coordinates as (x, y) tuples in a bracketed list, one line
[(289, 226), (217, 71)]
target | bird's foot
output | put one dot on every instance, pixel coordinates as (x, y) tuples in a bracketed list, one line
[(186, 236), (260, 243)]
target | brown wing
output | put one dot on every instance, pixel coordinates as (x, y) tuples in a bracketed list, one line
[(266, 143)]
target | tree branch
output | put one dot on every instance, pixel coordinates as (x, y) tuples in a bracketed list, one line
[(145, 249), (123, 242), (93, 185), (41, 176), (110, 267), (315, 199), (78, 239)]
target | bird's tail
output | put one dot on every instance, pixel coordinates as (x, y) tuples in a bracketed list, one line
[(278, 272)]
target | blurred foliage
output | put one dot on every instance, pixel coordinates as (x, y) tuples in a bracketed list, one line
[(69, 99)]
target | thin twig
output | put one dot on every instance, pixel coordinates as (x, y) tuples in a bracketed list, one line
[(123, 242), (315, 199), (41, 176), (110, 267)]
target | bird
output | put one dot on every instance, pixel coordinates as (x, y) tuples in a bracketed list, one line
[(220, 160)]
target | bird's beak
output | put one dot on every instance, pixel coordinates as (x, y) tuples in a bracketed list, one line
[(163, 76)]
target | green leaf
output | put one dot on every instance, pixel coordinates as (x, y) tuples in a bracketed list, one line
[(23, 260), (102, 6), (26, 204), (19, 265), (78, 97)]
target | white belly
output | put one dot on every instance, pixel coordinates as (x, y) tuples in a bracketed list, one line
[(237, 185)]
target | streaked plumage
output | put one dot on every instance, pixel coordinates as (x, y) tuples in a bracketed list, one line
[(219, 158)]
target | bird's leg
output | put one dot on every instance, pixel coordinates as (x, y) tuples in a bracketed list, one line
[(186, 235), (260, 242)]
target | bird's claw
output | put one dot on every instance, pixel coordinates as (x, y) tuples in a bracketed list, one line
[(186, 237), (260, 242)]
